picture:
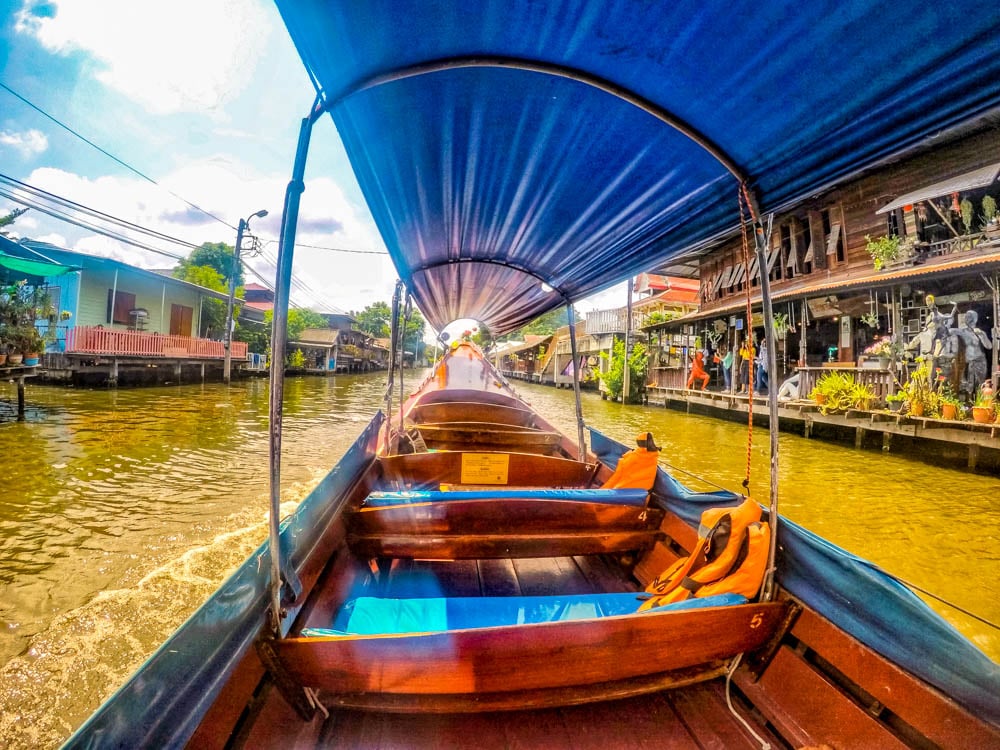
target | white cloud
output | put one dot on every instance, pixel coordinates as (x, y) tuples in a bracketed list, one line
[(181, 56), (28, 143), (348, 281)]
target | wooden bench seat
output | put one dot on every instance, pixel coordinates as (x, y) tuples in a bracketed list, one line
[(502, 523)]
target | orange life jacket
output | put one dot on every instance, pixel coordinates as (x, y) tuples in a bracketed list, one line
[(636, 469), (730, 557)]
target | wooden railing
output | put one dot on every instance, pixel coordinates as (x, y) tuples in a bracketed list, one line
[(111, 341), (879, 380)]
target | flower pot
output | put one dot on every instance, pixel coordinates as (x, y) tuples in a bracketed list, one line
[(982, 414), (31, 360), (820, 398), (895, 406), (3, 359), (14, 360), (917, 409), (949, 411)]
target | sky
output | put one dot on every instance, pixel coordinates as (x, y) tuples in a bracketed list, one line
[(184, 119)]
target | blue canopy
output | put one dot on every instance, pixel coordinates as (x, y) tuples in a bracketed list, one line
[(506, 144)]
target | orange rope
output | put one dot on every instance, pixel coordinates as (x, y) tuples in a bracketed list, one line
[(744, 198)]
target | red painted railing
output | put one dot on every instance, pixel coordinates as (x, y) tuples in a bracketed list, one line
[(111, 341)]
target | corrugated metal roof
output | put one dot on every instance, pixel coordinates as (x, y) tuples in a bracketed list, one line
[(969, 181)]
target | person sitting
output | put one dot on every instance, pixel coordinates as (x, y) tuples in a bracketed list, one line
[(698, 371), (637, 468)]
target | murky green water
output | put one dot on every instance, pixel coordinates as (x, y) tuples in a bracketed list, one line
[(122, 510)]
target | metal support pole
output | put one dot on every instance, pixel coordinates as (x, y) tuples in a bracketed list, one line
[(762, 235), (626, 383), (279, 335), (571, 318)]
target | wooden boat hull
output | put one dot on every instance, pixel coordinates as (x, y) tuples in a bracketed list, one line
[(489, 661)]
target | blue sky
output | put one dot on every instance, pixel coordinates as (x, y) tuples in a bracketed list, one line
[(204, 98)]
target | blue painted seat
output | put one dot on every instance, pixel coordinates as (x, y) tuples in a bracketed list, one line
[(372, 616), (614, 497)]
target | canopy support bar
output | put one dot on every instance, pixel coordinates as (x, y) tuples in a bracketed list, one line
[(571, 319), (762, 236), (279, 335), (560, 71)]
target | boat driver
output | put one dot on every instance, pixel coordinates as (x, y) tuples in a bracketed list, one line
[(637, 468)]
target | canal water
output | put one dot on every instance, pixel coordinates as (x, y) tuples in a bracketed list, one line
[(121, 511)]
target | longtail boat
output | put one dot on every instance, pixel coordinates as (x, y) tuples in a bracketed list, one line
[(469, 576)]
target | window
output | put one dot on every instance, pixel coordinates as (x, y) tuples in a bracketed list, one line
[(834, 237), (120, 306)]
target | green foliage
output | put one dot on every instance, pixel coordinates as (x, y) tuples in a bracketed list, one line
[(967, 214), (216, 255), (7, 219), (919, 391), (842, 392), (375, 319), (613, 377), (989, 209), (883, 250), (660, 316), (547, 323), (413, 334), (300, 319), (297, 360)]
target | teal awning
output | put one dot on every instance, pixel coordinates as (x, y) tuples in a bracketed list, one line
[(15, 269)]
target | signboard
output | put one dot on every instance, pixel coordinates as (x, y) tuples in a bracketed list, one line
[(485, 468)]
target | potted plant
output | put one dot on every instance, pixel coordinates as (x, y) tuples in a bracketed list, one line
[(882, 350), (838, 391), (982, 405), (894, 401), (883, 250), (949, 402), (921, 398)]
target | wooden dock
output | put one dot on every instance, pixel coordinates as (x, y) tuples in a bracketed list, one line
[(950, 442)]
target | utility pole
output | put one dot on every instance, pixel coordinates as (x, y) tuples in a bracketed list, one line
[(243, 226)]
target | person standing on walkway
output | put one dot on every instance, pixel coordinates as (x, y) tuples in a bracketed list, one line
[(724, 358), (743, 376), (760, 382)]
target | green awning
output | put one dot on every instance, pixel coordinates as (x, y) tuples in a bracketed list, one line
[(15, 269)]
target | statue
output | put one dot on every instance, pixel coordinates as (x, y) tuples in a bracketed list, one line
[(974, 343)]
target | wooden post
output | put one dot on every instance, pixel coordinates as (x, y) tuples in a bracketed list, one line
[(803, 322), (20, 398), (113, 380)]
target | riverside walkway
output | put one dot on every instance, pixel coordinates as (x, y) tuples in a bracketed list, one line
[(950, 442)]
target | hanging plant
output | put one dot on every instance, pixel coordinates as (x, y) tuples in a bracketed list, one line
[(967, 215), (780, 325), (870, 319)]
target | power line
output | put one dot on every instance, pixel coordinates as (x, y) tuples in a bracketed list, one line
[(111, 156)]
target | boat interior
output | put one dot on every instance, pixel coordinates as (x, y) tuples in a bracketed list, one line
[(484, 598)]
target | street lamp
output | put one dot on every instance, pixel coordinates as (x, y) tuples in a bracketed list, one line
[(244, 225)]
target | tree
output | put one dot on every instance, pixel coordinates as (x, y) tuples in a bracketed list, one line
[(300, 319), (413, 334), (374, 319), (614, 377), (213, 311), (8, 219), (217, 255)]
